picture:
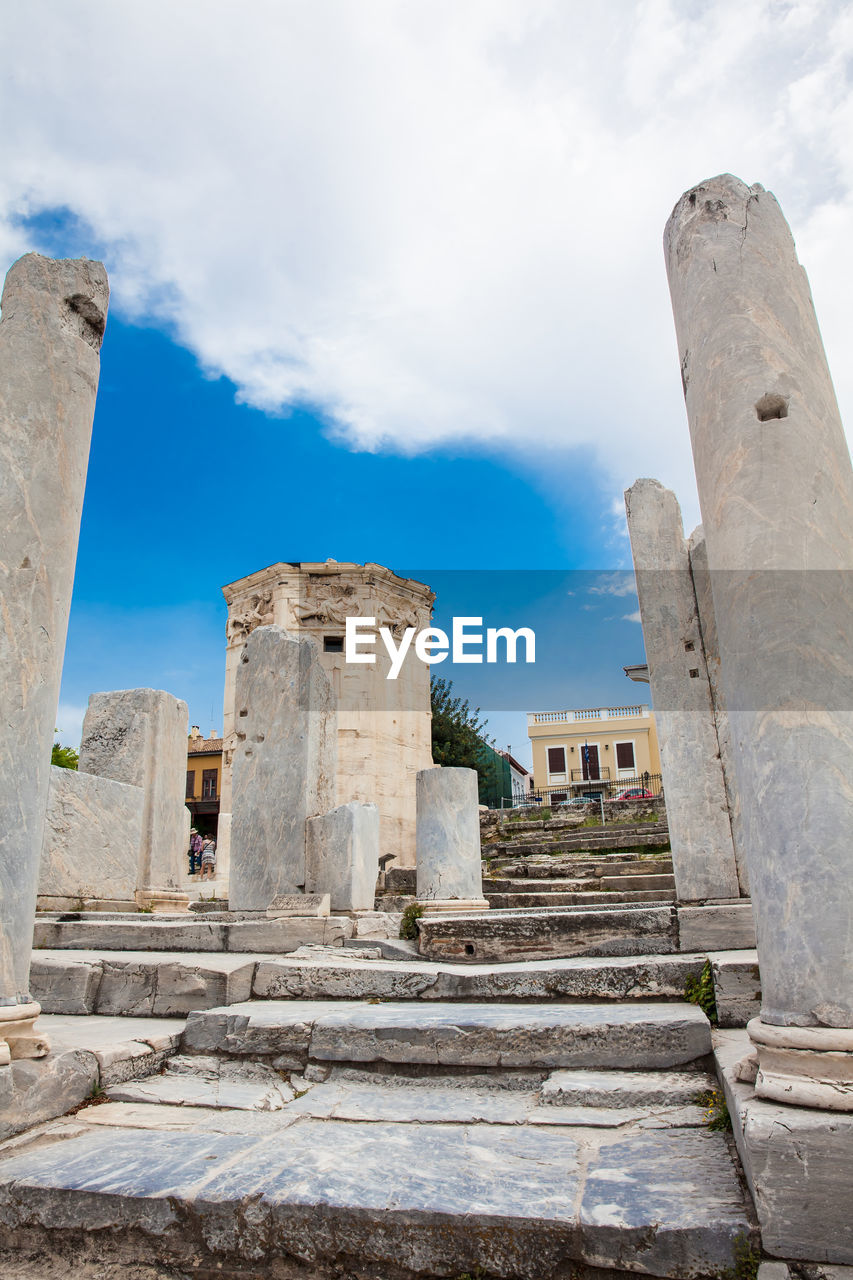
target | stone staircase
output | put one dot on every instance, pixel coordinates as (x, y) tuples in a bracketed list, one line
[(391, 1137), (572, 865), (364, 1111)]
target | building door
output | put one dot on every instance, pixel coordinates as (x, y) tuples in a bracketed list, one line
[(589, 760)]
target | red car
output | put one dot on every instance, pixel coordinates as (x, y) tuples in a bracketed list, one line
[(634, 793)]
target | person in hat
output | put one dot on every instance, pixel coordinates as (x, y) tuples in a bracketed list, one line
[(194, 851)]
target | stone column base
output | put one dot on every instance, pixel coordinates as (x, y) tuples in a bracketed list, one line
[(806, 1066), (18, 1039), (169, 900), (441, 906)]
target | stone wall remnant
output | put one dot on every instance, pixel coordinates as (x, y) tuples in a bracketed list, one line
[(703, 855), (53, 319), (776, 492), (139, 737), (284, 764), (92, 838)]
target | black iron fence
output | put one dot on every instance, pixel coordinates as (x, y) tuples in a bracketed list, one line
[(642, 786)]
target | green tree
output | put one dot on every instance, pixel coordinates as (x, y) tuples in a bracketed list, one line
[(457, 732), (63, 757)]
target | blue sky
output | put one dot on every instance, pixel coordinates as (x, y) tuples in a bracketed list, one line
[(188, 490), (387, 284)]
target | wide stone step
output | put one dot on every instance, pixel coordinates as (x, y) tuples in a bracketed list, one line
[(606, 929), (543, 932), (566, 844), (164, 984), (575, 870), (184, 933), (291, 1034), (138, 983), (558, 827), (625, 1089), (213, 1192), (591, 897), (341, 977)]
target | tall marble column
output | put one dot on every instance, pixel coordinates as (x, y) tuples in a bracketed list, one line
[(450, 869), (53, 319), (139, 736), (703, 857), (776, 491), (284, 766)]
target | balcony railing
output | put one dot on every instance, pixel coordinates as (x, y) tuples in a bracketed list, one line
[(590, 713), (645, 785)]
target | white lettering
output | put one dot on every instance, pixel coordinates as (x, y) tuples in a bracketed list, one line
[(511, 638), (394, 653), (353, 639), (461, 638), (433, 645), (432, 650)]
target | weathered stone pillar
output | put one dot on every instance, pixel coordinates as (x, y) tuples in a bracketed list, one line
[(284, 764), (450, 869), (342, 856), (776, 490), (53, 319), (703, 856), (711, 646), (139, 736)]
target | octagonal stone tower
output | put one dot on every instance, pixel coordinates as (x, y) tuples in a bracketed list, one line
[(384, 726)]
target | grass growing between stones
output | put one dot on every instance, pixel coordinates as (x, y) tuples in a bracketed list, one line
[(409, 922), (747, 1261), (701, 991), (717, 1116)]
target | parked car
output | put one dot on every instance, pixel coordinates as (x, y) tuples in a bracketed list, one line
[(634, 793)]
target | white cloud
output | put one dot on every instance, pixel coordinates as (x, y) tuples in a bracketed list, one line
[(633, 617), (439, 221), (614, 584)]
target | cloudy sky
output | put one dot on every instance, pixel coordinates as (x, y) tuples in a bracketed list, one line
[(387, 277)]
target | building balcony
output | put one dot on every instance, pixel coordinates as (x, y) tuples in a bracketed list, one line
[(587, 715)]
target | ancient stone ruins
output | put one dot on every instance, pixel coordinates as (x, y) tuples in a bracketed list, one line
[(420, 1040)]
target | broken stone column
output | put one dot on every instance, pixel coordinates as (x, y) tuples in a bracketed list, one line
[(139, 736), (284, 764), (776, 491), (342, 856), (698, 550), (703, 857), (449, 868), (53, 319)]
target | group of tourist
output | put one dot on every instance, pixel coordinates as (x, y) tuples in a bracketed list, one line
[(202, 855)]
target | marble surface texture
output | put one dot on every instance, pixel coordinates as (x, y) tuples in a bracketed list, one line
[(448, 835), (139, 737), (92, 837), (776, 492), (284, 764), (53, 320), (342, 856), (697, 810)]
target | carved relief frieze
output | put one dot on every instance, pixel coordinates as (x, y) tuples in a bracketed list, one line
[(255, 611)]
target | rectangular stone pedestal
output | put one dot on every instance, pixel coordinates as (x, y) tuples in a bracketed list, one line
[(342, 856)]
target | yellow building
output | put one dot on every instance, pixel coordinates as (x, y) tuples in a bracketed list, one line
[(596, 751), (204, 781)]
